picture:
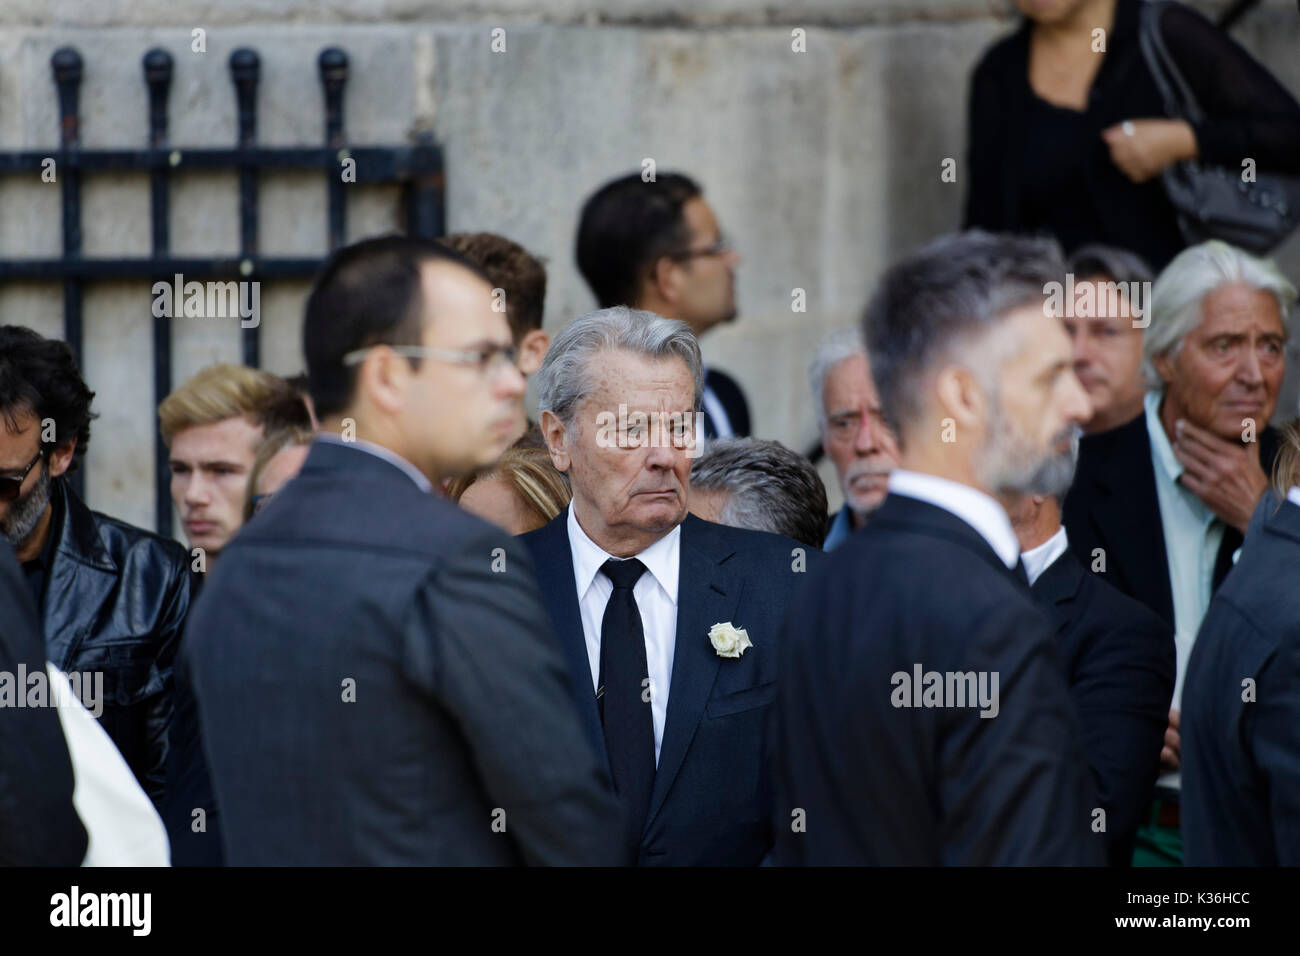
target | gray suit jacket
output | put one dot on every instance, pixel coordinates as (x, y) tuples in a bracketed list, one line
[(377, 684)]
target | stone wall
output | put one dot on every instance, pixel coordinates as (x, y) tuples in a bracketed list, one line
[(823, 166)]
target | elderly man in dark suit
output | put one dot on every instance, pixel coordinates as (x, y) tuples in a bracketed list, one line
[(1241, 759), (39, 825), (1160, 505), (670, 624), (1117, 658), (376, 681), (922, 718)]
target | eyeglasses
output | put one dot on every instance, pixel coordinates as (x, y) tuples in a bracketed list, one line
[(719, 248), (486, 358), (10, 486)]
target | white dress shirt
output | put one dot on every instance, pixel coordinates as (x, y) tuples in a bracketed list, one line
[(379, 451), (656, 598), (982, 512), (122, 826), (1039, 559)]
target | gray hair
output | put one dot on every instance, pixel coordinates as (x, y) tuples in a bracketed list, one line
[(834, 349), (1193, 274), (1117, 265), (769, 487), (937, 305), (564, 379)]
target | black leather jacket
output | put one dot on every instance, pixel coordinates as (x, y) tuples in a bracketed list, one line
[(115, 601)]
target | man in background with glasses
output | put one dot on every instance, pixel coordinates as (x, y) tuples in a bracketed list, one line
[(657, 246), (112, 597), (376, 680)]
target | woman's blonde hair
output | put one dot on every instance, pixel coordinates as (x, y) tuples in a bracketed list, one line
[(539, 486), (1286, 467)]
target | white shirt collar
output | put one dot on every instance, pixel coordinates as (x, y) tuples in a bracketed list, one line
[(1165, 459), (982, 512), (379, 451), (1039, 559), (1293, 495), (659, 558)]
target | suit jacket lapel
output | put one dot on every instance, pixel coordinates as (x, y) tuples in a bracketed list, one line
[(1058, 585), (554, 571), (706, 595), (1127, 500)]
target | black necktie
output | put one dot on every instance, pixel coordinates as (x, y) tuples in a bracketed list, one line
[(625, 697), (1020, 573)]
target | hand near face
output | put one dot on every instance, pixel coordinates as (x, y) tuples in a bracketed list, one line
[(1171, 753), (1226, 475), (1153, 145)]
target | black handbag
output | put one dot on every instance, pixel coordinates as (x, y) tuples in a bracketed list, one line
[(1214, 202)]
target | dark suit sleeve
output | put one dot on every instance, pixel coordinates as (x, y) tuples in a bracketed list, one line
[(498, 671), (39, 825), (1272, 732), (1014, 787), (159, 711), (1121, 688)]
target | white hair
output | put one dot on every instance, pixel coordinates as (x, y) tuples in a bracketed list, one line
[(564, 379), (834, 349), (1176, 297)]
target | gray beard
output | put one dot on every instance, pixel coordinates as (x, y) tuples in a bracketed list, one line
[(25, 513), (1009, 469)]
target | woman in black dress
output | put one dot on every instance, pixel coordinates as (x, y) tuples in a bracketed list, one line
[(1069, 135)]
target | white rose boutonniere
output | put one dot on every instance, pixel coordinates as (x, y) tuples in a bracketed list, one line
[(729, 641)]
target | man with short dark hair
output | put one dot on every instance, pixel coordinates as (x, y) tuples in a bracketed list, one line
[(759, 485), (112, 597), (375, 677), (656, 245), (921, 717)]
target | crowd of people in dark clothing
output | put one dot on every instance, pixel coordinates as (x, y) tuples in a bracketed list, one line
[(1050, 621)]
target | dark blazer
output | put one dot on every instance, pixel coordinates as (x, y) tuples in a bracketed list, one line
[(1240, 762), (376, 684), (865, 780), (729, 393), (1118, 662), (1113, 505), (115, 601), (711, 804), (38, 824)]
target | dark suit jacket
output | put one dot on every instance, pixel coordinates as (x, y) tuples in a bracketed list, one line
[(376, 684), (116, 601), (38, 824), (729, 393), (711, 804), (862, 781), (1118, 661), (1113, 505), (1241, 758)]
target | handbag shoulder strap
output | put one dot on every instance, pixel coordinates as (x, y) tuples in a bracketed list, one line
[(1180, 102)]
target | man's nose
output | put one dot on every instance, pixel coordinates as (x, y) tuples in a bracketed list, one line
[(196, 489), (867, 439), (510, 382), (1078, 407), (1248, 368), (660, 455)]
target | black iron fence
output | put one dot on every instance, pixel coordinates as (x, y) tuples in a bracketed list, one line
[(417, 167)]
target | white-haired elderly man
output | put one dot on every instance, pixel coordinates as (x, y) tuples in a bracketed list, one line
[(854, 434), (1159, 505), (670, 623)]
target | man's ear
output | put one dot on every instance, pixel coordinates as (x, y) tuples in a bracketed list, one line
[(557, 439), (663, 280), (61, 457), (382, 378), (1164, 366), (532, 350), (962, 398)]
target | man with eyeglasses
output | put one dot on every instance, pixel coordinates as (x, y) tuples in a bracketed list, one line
[(376, 680), (112, 597), (657, 246)]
